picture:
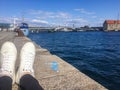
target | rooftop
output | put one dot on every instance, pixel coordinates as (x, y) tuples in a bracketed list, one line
[(112, 21)]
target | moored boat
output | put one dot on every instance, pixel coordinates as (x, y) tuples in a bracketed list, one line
[(24, 28)]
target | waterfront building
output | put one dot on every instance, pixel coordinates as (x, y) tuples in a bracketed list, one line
[(4, 26), (111, 25)]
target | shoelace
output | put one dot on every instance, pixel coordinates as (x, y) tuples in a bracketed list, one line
[(6, 64), (28, 62)]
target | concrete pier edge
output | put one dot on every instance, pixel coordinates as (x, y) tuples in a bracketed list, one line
[(67, 77)]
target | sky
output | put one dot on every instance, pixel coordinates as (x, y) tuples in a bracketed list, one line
[(59, 12)]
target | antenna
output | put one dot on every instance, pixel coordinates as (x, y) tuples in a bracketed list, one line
[(118, 17), (22, 14), (22, 18), (117, 22), (14, 23)]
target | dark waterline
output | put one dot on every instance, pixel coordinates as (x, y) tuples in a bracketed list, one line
[(97, 54)]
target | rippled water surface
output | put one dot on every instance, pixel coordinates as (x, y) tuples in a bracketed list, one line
[(96, 54)]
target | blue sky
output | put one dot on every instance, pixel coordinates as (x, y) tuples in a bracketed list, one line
[(59, 12)]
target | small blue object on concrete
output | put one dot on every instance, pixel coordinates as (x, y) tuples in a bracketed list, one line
[(54, 66)]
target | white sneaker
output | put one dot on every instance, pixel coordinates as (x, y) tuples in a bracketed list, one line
[(27, 57), (8, 56)]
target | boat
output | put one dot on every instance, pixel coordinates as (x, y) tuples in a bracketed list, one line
[(24, 28), (21, 26), (116, 30)]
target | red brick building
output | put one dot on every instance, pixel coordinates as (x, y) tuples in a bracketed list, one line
[(110, 25)]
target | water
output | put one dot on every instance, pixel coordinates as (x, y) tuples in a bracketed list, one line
[(96, 54)]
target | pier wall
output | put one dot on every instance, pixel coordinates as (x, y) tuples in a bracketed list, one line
[(66, 78)]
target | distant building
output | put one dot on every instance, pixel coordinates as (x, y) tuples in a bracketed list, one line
[(4, 26), (111, 25)]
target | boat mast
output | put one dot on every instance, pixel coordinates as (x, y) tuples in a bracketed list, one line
[(118, 17), (22, 18), (117, 22), (22, 14), (14, 23)]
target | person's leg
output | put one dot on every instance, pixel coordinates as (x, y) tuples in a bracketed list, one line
[(8, 55), (5, 83), (25, 75), (28, 82)]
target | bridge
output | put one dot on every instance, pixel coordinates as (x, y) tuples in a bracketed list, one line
[(63, 29), (40, 29), (52, 29)]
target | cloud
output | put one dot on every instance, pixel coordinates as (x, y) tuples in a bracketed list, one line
[(81, 10), (5, 20), (31, 22), (63, 15), (54, 18), (49, 15), (38, 12), (94, 17), (9, 19), (78, 20), (39, 21)]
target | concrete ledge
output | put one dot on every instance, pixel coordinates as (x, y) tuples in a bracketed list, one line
[(68, 77)]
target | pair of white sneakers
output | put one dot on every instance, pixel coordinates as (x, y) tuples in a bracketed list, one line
[(8, 55)]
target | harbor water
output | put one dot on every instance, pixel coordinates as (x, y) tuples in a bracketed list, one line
[(97, 54)]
